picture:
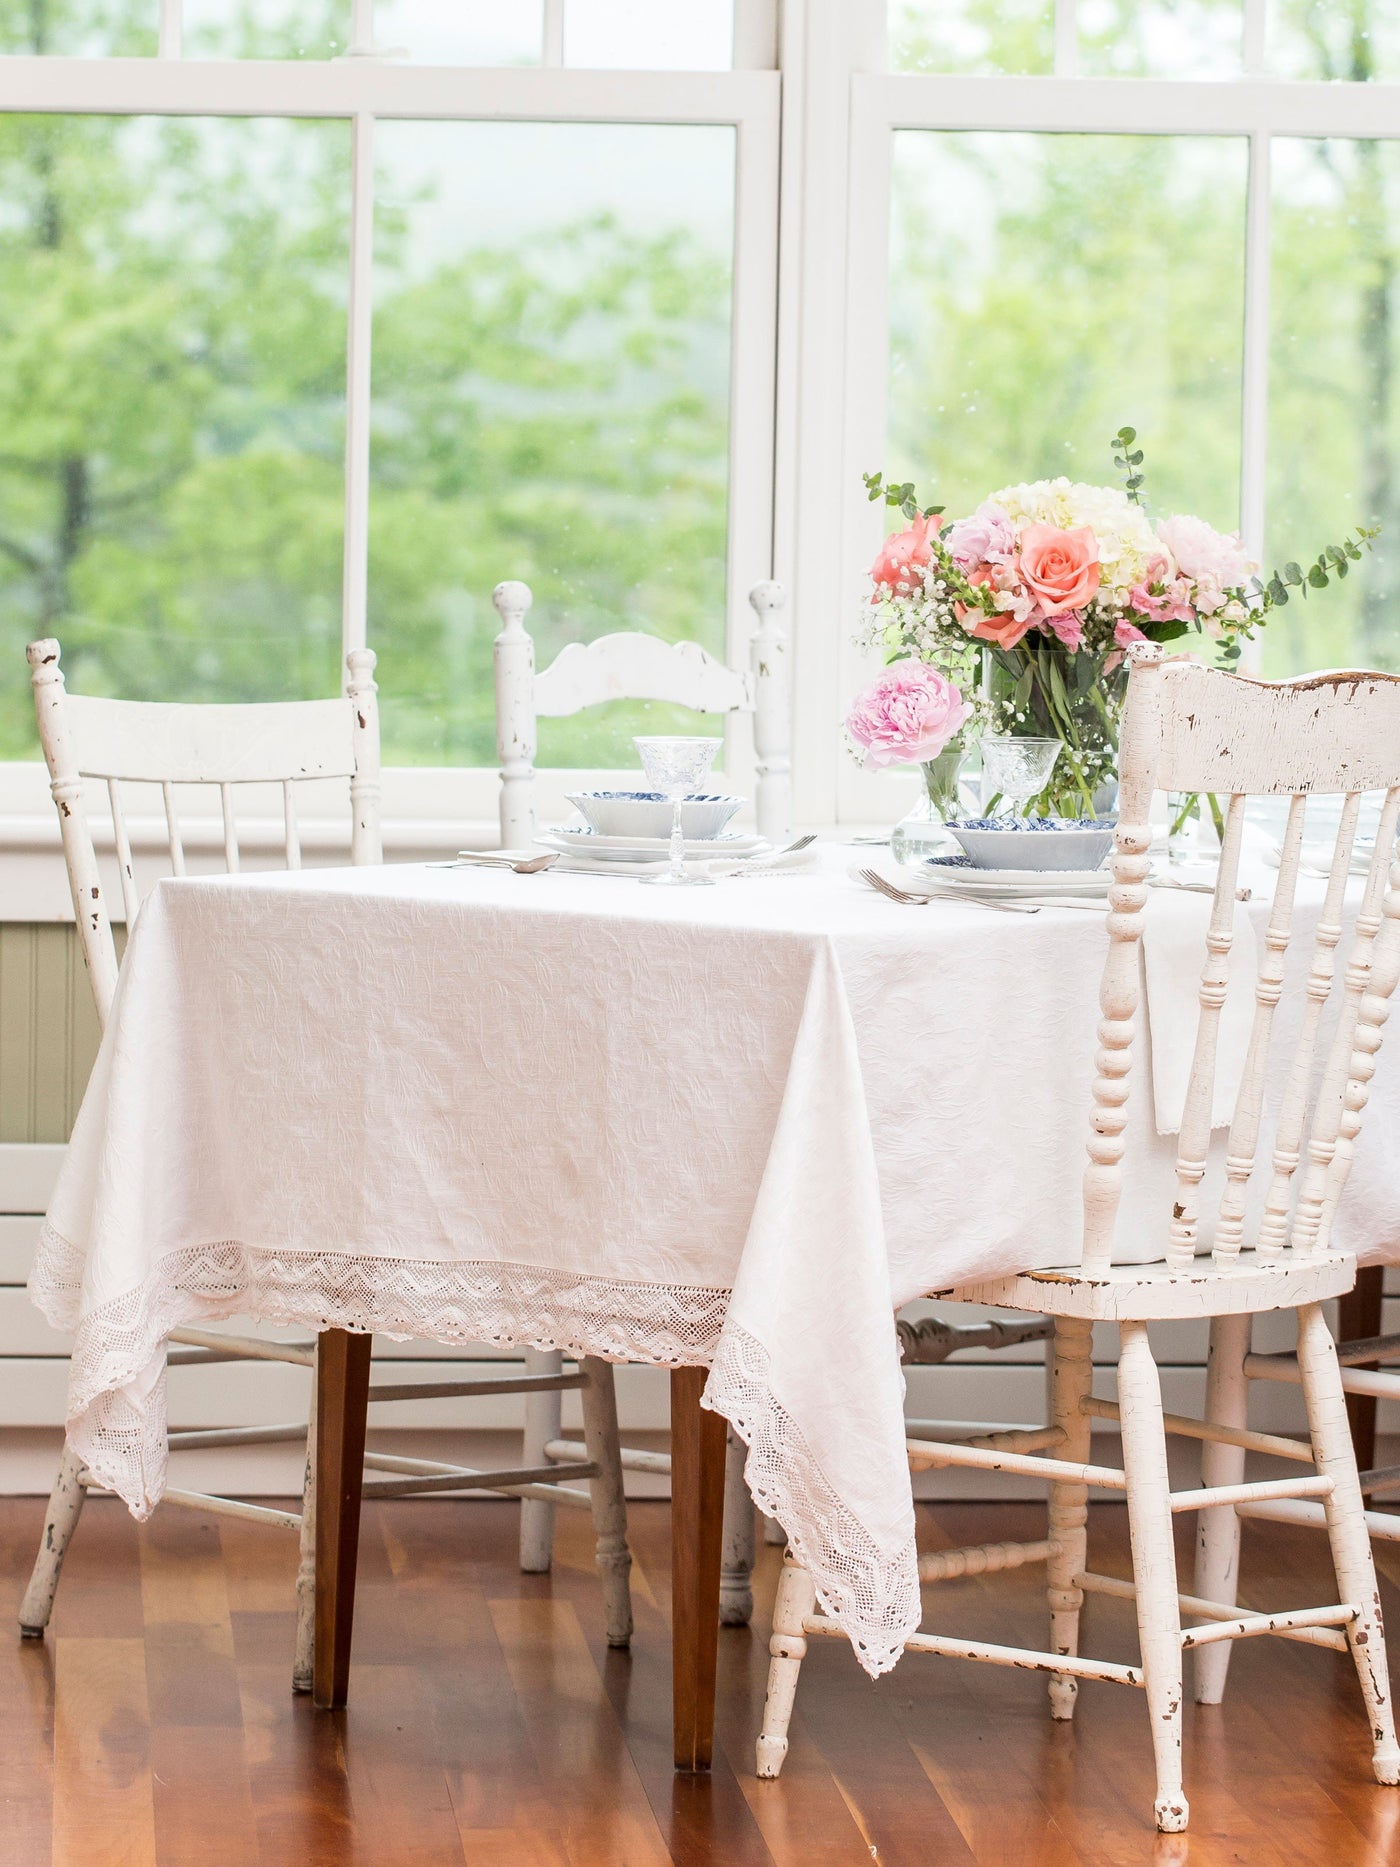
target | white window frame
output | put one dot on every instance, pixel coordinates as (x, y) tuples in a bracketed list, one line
[(430, 808)]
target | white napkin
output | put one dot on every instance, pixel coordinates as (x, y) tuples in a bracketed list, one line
[(1173, 955)]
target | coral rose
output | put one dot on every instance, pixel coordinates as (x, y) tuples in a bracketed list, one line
[(1005, 628), (904, 554), (1059, 569), (909, 715)]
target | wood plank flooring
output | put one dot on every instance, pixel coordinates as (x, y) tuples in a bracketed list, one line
[(489, 1725)]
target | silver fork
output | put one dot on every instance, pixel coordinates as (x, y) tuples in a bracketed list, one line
[(493, 859), (888, 889)]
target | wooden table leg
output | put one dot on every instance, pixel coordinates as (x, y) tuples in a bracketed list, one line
[(342, 1400), (697, 1514), (1358, 1318)]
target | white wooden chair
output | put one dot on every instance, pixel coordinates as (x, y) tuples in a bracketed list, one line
[(278, 744), (633, 666), (1189, 728)]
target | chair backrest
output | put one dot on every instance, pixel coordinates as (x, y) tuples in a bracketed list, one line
[(1188, 728), (634, 666), (283, 742)]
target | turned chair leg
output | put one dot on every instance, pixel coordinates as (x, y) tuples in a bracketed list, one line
[(1359, 1313), (60, 1520), (599, 1399), (1154, 1564), (736, 1561), (304, 1652), (796, 1599), (1218, 1529), (1346, 1530), (1071, 1376), (543, 1416)]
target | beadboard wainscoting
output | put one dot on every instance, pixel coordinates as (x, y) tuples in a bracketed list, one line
[(48, 1037)]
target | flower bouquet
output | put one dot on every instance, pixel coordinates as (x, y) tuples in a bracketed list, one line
[(1028, 604)]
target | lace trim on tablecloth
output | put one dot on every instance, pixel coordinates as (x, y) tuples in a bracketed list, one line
[(121, 1344), (873, 1592)]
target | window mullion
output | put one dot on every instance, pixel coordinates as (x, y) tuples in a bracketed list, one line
[(171, 41), (552, 43), (355, 577), (1066, 38), (1256, 16), (1254, 404)]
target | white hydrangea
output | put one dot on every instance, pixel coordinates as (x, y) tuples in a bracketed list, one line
[(1126, 540)]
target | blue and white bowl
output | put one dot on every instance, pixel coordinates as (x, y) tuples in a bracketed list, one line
[(648, 813), (1040, 843)]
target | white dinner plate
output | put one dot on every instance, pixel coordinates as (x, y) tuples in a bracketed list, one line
[(949, 876), (597, 848)]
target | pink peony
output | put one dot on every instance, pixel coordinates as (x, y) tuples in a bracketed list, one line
[(1059, 569), (1067, 629), (908, 716), (903, 557), (988, 537)]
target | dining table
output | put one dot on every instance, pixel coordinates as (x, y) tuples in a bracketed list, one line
[(727, 1130)]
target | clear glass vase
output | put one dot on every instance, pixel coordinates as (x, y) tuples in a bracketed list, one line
[(1039, 690), (921, 833), (1194, 826)]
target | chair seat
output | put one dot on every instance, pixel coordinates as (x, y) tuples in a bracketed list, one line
[(1147, 1292)]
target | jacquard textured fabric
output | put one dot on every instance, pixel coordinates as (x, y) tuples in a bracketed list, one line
[(735, 1127)]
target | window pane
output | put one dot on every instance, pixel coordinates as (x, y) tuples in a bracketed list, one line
[(265, 28), (1160, 38), (639, 35), (463, 32), (551, 371), (79, 28), (973, 36), (1046, 291), (1348, 40), (172, 368), (1334, 414)]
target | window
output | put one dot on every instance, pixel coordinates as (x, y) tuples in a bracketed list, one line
[(320, 323), (1225, 282)]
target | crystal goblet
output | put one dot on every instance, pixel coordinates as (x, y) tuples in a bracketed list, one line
[(675, 767), (1017, 769)]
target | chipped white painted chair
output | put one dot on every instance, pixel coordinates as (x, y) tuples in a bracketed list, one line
[(1189, 728), (1323, 1153), (278, 744), (636, 666)]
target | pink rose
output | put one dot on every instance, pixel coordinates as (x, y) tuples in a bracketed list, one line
[(1067, 629), (1059, 569), (908, 716), (903, 556)]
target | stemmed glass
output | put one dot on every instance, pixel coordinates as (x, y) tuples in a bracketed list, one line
[(1017, 769), (675, 766)]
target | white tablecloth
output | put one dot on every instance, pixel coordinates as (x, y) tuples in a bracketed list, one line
[(736, 1126)]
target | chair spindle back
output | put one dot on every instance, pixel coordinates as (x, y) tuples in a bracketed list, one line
[(1193, 729), (170, 744)]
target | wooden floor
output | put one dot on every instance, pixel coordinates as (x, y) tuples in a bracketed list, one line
[(488, 1723)]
